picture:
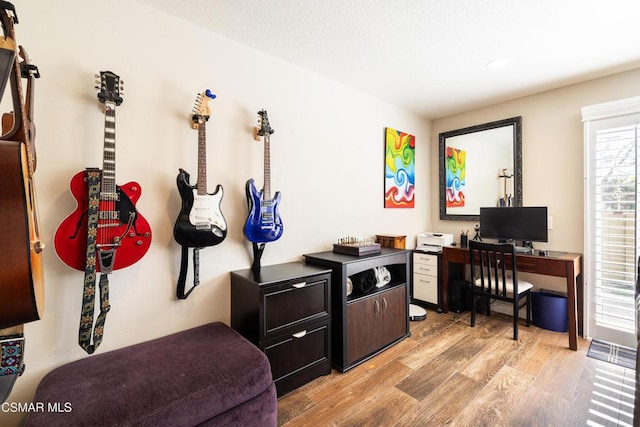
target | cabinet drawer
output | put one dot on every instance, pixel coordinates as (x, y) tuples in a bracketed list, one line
[(426, 259), (296, 301), (425, 288), (300, 351), (430, 270)]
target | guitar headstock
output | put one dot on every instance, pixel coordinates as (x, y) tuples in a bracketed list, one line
[(110, 87), (263, 124), (201, 110)]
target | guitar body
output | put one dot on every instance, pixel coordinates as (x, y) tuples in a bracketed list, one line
[(200, 222), (263, 223), (71, 236), (21, 278)]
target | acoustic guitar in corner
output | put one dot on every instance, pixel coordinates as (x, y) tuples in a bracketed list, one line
[(200, 222), (263, 223), (123, 234), (21, 271)]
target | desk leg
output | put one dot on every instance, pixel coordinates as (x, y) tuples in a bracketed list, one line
[(444, 285), (572, 307)]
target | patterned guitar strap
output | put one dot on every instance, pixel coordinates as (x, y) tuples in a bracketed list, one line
[(89, 293), (12, 359)]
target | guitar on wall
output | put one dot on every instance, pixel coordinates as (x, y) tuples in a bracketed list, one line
[(200, 222), (22, 278), (123, 235), (263, 223)]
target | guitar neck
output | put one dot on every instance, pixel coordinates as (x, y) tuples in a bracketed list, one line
[(201, 185), (109, 155), (19, 130), (267, 168)]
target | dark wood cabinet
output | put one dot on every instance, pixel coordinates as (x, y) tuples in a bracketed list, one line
[(284, 309), (365, 322), (375, 321)]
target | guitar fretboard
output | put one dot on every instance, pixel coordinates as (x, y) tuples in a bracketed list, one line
[(267, 168), (201, 184), (108, 189)]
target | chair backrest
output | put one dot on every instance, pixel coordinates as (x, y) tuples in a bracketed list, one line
[(489, 266)]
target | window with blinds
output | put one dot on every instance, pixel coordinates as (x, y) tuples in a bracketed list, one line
[(612, 229), (615, 156)]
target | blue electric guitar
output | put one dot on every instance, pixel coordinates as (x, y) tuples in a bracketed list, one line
[(263, 223)]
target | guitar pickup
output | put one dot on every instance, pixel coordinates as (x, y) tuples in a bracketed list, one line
[(110, 197), (109, 215)]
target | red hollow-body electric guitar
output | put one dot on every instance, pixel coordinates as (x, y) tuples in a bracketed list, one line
[(123, 235)]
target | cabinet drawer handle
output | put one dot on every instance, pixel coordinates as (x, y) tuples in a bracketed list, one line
[(300, 334), (299, 285), (376, 307), (384, 304)]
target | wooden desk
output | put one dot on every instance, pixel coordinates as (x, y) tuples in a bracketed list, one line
[(567, 265)]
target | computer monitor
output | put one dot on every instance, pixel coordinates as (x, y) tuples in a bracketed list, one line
[(526, 224)]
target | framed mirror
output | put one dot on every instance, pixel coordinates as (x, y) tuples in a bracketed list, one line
[(480, 166)]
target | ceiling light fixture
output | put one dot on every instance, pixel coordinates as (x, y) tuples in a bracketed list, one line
[(498, 63)]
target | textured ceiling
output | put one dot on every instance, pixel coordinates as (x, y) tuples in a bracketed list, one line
[(430, 56)]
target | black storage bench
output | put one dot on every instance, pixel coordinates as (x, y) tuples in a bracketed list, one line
[(205, 376)]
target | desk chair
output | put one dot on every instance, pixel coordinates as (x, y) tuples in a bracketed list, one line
[(494, 275)]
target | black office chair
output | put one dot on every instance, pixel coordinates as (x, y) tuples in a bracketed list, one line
[(494, 275)]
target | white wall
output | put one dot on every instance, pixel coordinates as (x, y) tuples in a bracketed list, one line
[(552, 155), (327, 159)]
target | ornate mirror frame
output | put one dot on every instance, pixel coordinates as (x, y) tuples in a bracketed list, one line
[(491, 158)]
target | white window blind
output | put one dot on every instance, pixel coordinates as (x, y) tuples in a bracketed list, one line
[(612, 211), (615, 220)]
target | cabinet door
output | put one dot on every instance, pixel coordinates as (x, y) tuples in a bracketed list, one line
[(394, 314), (363, 327)]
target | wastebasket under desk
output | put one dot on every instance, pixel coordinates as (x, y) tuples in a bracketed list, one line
[(549, 310)]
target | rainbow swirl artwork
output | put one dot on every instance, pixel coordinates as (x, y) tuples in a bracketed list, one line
[(456, 162), (399, 170)]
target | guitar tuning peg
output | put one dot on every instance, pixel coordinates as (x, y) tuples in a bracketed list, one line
[(97, 76), (97, 87)]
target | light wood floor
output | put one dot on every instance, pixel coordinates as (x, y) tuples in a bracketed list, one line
[(447, 373)]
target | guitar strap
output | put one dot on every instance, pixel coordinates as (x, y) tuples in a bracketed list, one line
[(89, 292), (11, 359), (184, 266)]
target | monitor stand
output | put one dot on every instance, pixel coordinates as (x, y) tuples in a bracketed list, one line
[(524, 250)]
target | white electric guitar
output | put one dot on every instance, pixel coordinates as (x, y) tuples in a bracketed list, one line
[(200, 222)]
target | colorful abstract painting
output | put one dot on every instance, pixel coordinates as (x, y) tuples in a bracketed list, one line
[(399, 170), (456, 162)]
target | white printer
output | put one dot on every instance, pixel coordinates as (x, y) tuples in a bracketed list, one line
[(433, 242)]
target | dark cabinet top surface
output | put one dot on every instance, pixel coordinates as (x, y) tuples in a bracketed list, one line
[(345, 259), (269, 274)]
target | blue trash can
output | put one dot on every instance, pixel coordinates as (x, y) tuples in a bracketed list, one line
[(549, 311)]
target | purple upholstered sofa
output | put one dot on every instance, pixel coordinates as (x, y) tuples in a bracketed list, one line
[(205, 376)]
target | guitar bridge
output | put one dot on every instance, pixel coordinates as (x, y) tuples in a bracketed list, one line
[(106, 258), (203, 226)]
